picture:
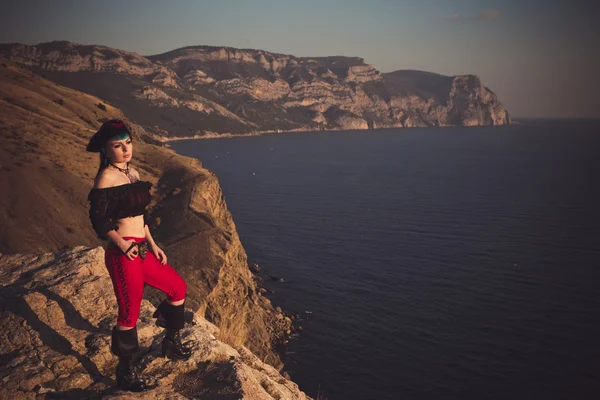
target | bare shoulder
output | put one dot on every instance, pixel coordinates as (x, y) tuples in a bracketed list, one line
[(134, 173), (105, 179)]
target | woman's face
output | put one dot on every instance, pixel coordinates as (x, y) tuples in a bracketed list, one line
[(119, 150)]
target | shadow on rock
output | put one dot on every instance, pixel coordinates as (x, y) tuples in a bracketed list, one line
[(53, 339), (216, 381), (73, 318)]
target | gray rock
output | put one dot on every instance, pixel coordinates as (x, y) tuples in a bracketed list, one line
[(57, 313)]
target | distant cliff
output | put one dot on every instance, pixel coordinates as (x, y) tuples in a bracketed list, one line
[(203, 90)]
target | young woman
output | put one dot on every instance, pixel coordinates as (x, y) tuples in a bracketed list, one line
[(118, 213)]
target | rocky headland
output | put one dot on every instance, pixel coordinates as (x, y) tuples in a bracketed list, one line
[(56, 301), (210, 91)]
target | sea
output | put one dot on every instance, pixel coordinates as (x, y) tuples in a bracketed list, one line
[(426, 263)]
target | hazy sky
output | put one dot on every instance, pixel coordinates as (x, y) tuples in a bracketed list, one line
[(542, 58)]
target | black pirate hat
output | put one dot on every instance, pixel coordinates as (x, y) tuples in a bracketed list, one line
[(108, 129)]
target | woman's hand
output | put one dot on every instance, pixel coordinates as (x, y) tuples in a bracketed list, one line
[(130, 252), (158, 253)]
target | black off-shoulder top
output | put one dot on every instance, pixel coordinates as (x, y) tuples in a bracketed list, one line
[(113, 203)]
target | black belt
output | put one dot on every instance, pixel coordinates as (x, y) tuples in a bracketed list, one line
[(142, 248)]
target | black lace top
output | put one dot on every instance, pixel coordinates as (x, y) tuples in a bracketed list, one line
[(112, 203)]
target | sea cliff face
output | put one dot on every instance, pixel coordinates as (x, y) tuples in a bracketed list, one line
[(203, 90), (44, 130)]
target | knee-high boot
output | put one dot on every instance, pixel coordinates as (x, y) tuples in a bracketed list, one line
[(171, 317), (125, 345)]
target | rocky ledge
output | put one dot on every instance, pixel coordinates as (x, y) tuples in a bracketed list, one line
[(57, 313)]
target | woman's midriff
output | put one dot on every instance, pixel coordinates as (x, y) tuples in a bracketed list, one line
[(131, 227)]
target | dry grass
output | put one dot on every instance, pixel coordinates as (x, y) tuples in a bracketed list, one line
[(232, 328), (238, 319)]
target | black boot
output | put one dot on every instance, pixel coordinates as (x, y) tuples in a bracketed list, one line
[(125, 345), (171, 317), (173, 348), (161, 322), (128, 378)]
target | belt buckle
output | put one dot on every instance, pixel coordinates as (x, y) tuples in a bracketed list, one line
[(143, 248)]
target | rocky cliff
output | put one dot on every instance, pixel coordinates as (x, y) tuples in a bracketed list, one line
[(203, 90), (46, 174), (57, 313)]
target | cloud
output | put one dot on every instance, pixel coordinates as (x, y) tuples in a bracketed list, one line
[(490, 14), (487, 15)]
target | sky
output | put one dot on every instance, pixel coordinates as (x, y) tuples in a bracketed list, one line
[(542, 58)]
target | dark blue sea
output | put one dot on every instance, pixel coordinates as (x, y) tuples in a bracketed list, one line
[(443, 263)]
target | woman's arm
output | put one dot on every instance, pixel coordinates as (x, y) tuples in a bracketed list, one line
[(124, 245)]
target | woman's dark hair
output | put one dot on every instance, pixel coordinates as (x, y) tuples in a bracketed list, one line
[(104, 162)]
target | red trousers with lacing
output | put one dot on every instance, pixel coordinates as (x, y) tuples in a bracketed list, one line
[(130, 276)]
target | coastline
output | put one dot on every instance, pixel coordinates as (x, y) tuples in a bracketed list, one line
[(227, 135), (214, 135)]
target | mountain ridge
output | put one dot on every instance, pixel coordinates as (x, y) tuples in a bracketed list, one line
[(213, 90)]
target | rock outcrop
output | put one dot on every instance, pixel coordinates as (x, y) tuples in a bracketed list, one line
[(70, 57), (431, 99), (57, 313), (210, 90)]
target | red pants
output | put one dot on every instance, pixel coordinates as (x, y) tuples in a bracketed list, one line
[(129, 276)]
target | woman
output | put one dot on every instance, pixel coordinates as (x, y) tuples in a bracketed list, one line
[(118, 213)]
